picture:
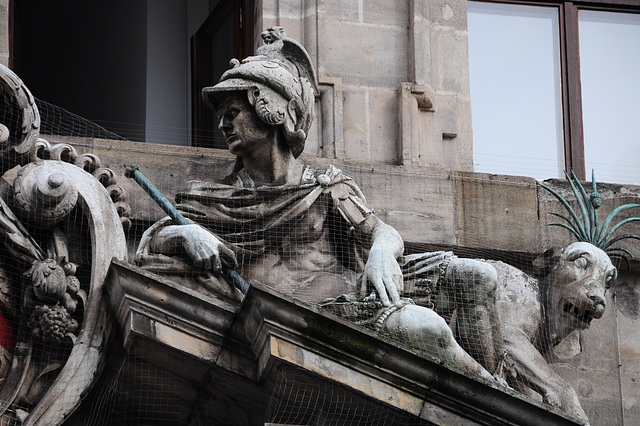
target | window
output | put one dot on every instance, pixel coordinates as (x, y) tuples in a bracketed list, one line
[(609, 66), (86, 57), (122, 64), (551, 87), (516, 90), (221, 37)]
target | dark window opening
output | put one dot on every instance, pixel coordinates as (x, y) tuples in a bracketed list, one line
[(88, 58), (227, 33)]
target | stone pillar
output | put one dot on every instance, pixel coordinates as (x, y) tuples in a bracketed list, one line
[(438, 62), (4, 32)]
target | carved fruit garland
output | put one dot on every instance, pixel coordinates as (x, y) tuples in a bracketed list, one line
[(45, 197), (58, 296)]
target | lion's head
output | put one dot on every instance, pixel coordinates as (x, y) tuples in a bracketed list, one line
[(576, 287)]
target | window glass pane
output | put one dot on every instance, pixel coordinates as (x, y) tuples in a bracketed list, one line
[(222, 50), (610, 66), (515, 89)]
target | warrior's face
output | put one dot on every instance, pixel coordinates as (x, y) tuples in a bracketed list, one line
[(243, 131)]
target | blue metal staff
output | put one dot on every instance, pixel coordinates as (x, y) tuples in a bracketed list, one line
[(132, 171)]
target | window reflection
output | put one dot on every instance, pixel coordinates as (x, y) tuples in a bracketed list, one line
[(609, 66), (515, 89)]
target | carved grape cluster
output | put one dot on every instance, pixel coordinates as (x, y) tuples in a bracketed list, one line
[(52, 323)]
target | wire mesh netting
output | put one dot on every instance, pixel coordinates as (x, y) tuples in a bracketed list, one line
[(60, 122), (299, 399), (314, 237)]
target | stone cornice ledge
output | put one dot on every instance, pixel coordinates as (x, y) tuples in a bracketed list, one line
[(269, 330), (279, 329)]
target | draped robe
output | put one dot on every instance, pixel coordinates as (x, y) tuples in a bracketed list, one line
[(305, 240)]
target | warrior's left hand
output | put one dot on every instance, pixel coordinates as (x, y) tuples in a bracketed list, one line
[(382, 270)]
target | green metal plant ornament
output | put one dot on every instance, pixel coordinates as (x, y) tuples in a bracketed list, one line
[(589, 229)]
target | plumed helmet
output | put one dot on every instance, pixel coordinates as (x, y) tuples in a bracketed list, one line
[(281, 85)]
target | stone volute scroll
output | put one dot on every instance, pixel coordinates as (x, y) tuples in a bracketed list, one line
[(62, 217)]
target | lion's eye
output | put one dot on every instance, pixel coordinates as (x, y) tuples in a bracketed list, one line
[(611, 277), (581, 262)]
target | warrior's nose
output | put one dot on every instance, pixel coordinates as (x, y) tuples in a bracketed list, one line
[(225, 124)]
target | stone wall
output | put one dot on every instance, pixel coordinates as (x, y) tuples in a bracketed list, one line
[(393, 74), (428, 205), (476, 215)]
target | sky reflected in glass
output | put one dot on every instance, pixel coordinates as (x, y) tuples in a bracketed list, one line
[(610, 66), (516, 90)]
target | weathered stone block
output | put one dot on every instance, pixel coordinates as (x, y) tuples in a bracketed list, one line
[(4, 31), (383, 124), (356, 132), (628, 320), (347, 10), (630, 397), (496, 211), (464, 141), (423, 216), (452, 13), (363, 56), (386, 13), (415, 226), (289, 8)]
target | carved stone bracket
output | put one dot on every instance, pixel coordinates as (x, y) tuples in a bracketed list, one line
[(47, 191), (412, 99), (18, 114), (91, 164), (424, 138), (424, 96)]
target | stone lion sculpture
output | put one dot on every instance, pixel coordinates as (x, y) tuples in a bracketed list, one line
[(538, 312)]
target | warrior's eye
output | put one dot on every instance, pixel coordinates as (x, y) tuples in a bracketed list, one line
[(581, 262)]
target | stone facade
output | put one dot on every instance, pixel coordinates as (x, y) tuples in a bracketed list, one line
[(394, 113), (399, 72), (476, 215)]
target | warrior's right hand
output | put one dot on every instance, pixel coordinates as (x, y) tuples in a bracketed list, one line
[(204, 248)]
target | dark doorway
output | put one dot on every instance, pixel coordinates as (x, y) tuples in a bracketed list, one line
[(227, 33)]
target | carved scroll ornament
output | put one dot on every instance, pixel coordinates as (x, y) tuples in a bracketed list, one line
[(61, 205)]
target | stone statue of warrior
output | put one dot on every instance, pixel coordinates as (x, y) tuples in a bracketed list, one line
[(309, 233)]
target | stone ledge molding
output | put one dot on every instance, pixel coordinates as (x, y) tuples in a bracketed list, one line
[(268, 331)]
